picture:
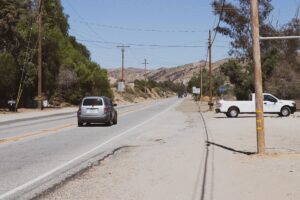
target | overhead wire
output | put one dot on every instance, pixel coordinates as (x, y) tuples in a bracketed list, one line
[(219, 21), (89, 27), (148, 45), (23, 74), (214, 37), (138, 29)]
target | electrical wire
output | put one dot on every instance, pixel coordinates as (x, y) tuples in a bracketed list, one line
[(23, 74), (138, 29), (218, 25), (89, 27), (148, 45)]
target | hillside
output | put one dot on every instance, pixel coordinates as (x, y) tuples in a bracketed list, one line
[(177, 74)]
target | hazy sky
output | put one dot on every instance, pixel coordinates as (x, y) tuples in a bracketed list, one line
[(166, 32)]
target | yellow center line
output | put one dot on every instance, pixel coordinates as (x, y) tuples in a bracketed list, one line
[(30, 134), (49, 130)]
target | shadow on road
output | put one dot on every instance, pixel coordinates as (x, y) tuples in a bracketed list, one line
[(96, 125), (230, 149), (246, 117)]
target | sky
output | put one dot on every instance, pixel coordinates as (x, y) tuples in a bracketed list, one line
[(167, 33)]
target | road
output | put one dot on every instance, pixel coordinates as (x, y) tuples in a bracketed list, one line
[(160, 150), (196, 156), (39, 153)]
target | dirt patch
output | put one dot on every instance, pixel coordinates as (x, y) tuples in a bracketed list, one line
[(188, 105)]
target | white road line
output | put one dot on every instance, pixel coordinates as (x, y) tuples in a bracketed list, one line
[(41, 177)]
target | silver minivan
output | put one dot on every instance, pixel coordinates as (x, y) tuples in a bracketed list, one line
[(97, 109)]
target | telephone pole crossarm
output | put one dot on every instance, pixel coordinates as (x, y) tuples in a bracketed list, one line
[(279, 37)]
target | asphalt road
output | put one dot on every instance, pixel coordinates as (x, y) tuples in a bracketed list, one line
[(39, 153)]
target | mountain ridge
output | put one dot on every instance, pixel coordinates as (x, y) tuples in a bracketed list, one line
[(181, 73)]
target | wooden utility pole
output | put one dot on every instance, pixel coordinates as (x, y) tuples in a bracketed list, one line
[(145, 63), (260, 132), (123, 51), (39, 68), (201, 82), (210, 73)]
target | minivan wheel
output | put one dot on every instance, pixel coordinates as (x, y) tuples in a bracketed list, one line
[(79, 124), (109, 122), (115, 121), (233, 112), (285, 112)]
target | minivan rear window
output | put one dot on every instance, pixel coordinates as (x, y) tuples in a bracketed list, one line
[(92, 102)]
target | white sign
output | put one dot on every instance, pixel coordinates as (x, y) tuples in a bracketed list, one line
[(196, 90), (121, 86)]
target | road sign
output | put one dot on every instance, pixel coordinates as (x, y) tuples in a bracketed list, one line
[(121, 86), (222, 89), (196, 90)]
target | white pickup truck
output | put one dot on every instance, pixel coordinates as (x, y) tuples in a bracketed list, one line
[(272, 105)]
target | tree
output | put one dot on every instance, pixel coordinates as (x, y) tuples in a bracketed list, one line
[(218, 80), (8, 71), (235, 23), (63, 56)]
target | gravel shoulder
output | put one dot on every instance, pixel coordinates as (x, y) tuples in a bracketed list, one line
[(240, 176), (168, 159)]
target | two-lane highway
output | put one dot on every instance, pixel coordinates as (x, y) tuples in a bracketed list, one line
[(37, 154)]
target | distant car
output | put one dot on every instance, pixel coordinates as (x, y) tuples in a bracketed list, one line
[(97, 109)]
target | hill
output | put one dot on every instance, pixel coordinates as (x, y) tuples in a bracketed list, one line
[(177, 74)]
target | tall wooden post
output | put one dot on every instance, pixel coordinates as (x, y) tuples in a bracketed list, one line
[(260, 132)]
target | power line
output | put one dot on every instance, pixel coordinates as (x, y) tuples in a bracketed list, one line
[(218, 25), (138, 29), (77, 13), (148, 45)]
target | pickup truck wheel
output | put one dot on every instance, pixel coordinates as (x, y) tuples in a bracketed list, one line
[(233, 112), (285, 112)]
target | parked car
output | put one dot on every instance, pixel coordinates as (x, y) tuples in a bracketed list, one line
[(272, 105), (97, 109)]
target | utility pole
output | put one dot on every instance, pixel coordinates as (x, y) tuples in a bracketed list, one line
[(145, 63), (210, 103), (39, 68), (260, 132), (122, 50), (201, 82)]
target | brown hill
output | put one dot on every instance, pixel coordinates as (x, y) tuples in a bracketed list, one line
[(181, 73)]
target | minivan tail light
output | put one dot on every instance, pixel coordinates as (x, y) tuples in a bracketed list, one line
[(106, 109)]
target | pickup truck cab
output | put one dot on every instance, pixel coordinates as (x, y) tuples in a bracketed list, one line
[(272, 105)]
